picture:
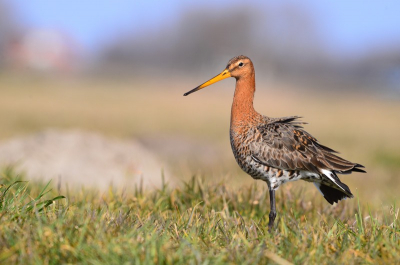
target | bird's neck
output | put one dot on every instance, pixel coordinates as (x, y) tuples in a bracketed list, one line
[(242, 107)]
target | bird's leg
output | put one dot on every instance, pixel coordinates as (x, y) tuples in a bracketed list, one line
[(272, 214)]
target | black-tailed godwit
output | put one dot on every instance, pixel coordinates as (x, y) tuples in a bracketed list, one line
[(278, 150)]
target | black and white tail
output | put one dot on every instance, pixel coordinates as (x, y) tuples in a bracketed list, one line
[(335, 192)]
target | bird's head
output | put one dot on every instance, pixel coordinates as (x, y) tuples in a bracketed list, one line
[(238, 67)]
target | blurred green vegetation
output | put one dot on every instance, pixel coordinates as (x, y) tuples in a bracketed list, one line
[(388, 159)]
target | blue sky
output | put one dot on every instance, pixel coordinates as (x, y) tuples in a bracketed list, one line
[(348, 26)]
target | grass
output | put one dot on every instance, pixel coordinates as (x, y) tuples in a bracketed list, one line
[(197, 223)]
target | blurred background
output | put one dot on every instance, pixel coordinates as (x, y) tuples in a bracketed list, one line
[(91, 91)]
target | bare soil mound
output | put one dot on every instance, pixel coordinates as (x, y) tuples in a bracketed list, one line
[(83, 158)]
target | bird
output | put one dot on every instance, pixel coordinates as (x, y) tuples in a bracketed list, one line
[(278, 150)]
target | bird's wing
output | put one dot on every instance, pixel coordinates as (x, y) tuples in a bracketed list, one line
[(282, 143)]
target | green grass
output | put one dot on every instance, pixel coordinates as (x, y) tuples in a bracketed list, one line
[(198, 223)]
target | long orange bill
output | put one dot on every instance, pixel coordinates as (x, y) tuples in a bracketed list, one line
[(224, 74)]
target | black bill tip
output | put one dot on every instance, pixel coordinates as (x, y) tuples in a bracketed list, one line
[(191, 91)]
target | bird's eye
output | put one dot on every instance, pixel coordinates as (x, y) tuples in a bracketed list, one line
[(240, 64)]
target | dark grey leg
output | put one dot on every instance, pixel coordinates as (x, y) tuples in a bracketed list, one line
[(272, 214)]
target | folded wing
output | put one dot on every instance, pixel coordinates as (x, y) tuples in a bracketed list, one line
[(282, 143)]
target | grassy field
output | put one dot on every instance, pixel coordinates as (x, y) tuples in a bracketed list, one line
[(198, 223), (218, 216)]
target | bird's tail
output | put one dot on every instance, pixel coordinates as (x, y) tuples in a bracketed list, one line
[(333, 194)]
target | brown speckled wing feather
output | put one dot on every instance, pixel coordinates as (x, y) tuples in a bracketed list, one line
[(282, 143)]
